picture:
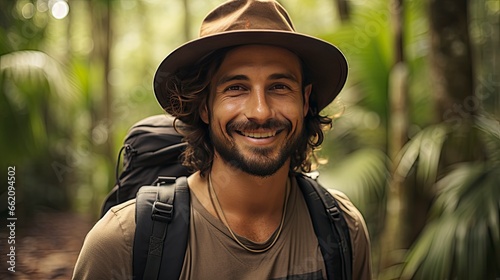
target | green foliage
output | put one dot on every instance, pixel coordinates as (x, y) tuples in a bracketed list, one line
[(462, 237), (422, 153), (33, 95), (366, 45), (371, 175), (449, 242), (462, 240), (362, 176)]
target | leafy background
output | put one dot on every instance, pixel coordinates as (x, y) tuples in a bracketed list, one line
[(415, 145)]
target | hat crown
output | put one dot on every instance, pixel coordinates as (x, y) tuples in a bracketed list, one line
[(246, 14), (246, 22)]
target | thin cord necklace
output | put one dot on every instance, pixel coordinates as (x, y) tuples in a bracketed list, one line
[(222, 217)]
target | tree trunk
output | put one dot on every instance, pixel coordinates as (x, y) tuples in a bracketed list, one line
[(396, 225), (101, 96), (102, 115), (453, 78), (451, 59), (343, 9)]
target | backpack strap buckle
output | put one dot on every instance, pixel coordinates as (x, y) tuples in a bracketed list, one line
[(162, 212), (164, 180), (334, 212)]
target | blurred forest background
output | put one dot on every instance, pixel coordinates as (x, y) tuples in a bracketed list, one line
[(416, 144)]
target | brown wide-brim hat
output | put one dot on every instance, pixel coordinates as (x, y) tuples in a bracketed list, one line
[(244, 22)]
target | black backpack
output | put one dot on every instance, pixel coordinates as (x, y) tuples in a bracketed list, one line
[(153, 174), (151, 149)]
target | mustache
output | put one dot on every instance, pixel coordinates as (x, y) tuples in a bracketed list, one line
[(252, 125)]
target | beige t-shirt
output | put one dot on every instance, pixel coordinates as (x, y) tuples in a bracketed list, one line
[(212, 253)]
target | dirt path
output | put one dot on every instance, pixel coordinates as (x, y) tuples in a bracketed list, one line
[(49, 247)]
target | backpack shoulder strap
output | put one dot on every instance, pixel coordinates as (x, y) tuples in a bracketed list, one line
[(330, 227), (162, 221)]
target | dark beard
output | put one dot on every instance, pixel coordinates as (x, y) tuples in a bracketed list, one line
[(261, 164)]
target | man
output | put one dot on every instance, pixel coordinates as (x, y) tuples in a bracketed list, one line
[(249, 92)]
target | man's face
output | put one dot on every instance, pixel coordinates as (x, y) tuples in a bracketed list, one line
[(256, 108)]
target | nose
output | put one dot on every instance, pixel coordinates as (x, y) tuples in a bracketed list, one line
[(258, 108)]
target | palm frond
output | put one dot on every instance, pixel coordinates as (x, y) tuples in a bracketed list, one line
[(423, 153), (462, 241), (462, 237), (37, 66), (491, 135), (37, 110)]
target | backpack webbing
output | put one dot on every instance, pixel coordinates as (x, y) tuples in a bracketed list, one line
[(330, 227), (155, 212), (162, 221)]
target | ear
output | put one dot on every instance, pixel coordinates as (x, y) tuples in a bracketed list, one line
[(204, 113), (307, 94)]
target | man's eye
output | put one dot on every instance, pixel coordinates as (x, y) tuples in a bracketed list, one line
[(234, 88), (280, 87)]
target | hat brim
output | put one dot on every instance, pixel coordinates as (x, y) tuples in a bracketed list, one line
[(326, 63)]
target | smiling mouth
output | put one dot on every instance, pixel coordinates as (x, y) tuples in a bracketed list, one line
[(259, 135)]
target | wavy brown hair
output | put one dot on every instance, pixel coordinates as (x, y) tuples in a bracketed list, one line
[(189, 90)]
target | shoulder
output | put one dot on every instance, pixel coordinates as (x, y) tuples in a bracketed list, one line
[(107, 249), (359, 236), (352, 215), (354, 218), (122, 215), (118, 222)]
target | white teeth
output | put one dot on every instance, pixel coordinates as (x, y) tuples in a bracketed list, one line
[(258, 135)]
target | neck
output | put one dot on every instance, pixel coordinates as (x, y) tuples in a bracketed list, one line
[(247, 195), (252, 206)]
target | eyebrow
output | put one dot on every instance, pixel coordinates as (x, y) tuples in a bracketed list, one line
[(287, 76), (229, 78), (276, 76)]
